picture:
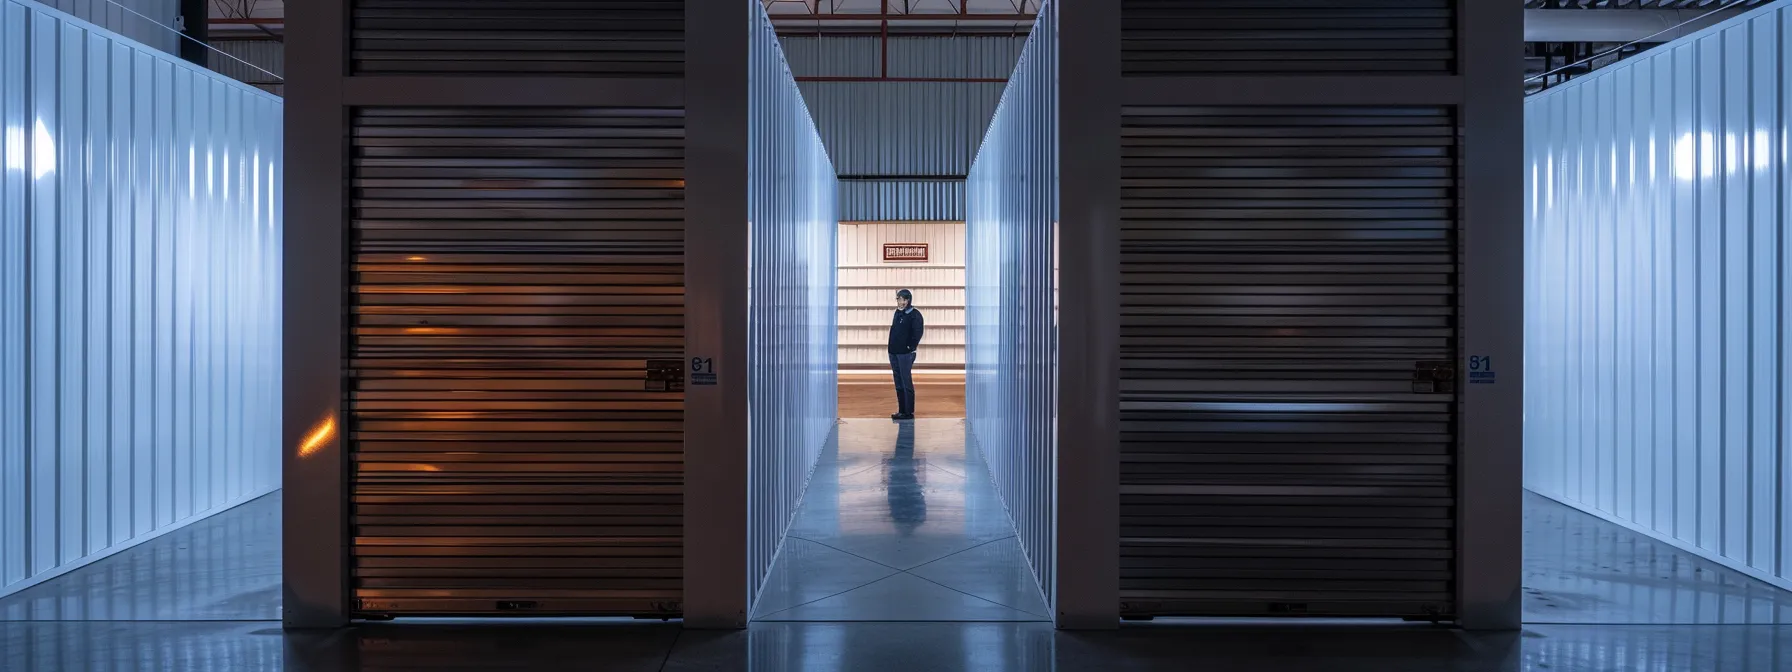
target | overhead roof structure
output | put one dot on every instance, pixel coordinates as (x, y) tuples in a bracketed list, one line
[(902, 16), (250, 19)]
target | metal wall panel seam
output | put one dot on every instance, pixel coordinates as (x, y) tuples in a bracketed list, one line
[(1691, 265)]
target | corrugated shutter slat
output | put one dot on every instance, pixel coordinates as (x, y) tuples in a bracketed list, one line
[(1286, 273), (514, 270), (1262, 37), (613, 38)]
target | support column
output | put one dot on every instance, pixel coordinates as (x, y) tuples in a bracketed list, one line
[(1088, 497), (314, 456), (1490, 466), (716, 246)]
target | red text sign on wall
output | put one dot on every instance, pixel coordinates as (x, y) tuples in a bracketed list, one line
[(905, 251)]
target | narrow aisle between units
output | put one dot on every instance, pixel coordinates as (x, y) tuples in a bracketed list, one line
[(901, 523)]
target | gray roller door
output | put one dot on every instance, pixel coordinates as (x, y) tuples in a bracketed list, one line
[(1257, 37), (1288, 409), (514, 273), (609, 38)]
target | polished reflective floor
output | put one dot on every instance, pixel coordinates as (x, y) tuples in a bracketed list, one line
[(95, 646), (202, 599), (901, 523), (1583, 570), (222, 568)]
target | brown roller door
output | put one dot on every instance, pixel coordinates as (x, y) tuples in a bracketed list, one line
[(1288, 323), (514, 271)]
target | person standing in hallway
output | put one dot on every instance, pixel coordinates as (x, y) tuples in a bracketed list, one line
[(905, 337)]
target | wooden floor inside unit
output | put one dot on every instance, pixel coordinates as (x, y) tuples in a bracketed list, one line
[(873, 395)]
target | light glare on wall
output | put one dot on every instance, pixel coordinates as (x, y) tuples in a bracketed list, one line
[(1685, 162), (15, 148), (43, 151)]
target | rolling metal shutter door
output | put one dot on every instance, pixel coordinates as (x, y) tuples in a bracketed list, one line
[(1256, 37), (609, 38), (514, 272), (1288, 280)]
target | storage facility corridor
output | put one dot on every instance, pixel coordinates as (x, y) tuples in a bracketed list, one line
[(901, 523), (1355, 335)]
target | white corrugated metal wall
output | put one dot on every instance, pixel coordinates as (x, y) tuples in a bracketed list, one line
[(1655, 284), (902, 148), (868, 287), (149, 22), (1011, 255), (791, 357), (139, 293)]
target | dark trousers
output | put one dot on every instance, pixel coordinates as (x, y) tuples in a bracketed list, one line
[(903, 367)]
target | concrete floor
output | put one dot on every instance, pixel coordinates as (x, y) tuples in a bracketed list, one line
[(901, 523), (1579, 569), (206, 599)]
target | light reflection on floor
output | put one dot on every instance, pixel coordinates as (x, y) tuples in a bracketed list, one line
[(1589, 569)]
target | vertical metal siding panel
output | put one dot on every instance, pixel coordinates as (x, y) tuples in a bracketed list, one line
[(96, 469), (180, 332), (1623, 236), (1763, 310), (832, 56), (1011, 219), (1642, 199), (42, 284), (1709, 106), (14, 293), (1662, 183), (1781, 136), (88, 155), (792, 249), (71, 244), (1683, 246), (1685, 283), (1733, 502), (901, 128), (897, 200)]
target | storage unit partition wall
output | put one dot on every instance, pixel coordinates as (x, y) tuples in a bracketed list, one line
[(1011, 226), (140, 261), (1655, 305), (517, 309), (792, 304)]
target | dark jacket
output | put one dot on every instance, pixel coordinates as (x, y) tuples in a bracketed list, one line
[(905, 331)]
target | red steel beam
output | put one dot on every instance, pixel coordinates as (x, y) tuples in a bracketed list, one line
[(904, 17), (961, 80)]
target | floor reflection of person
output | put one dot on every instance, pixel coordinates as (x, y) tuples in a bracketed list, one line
[(902, 479)]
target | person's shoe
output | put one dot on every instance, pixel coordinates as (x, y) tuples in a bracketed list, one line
[(896, 416), (905, 416)]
